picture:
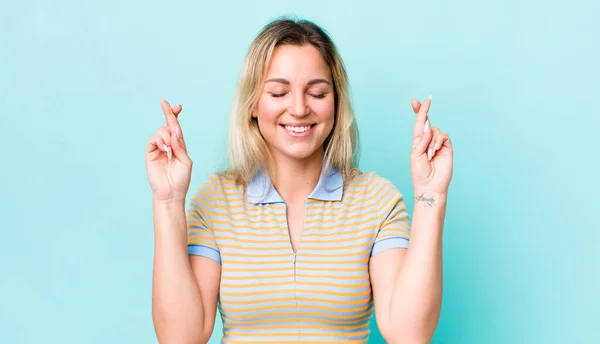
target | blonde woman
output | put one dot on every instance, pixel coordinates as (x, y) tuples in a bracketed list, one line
[(293, 243)]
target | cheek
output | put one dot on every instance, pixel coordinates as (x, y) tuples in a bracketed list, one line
[(269, 108), (325, 110)]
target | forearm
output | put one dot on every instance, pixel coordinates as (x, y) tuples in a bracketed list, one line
[(417, 294), (176, 302)]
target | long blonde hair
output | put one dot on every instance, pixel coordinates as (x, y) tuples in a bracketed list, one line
[(247, 151)]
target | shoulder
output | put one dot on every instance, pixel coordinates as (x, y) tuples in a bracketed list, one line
[(215, 192), (369, 189), (371, 182), (384, 196), (213, 185)]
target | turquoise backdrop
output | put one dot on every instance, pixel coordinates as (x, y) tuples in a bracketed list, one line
[(514, 83)]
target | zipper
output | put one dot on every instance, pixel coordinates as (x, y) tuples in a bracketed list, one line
[(296, 292), (294, 256)]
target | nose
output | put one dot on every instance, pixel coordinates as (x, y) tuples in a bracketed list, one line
[(298, 108)]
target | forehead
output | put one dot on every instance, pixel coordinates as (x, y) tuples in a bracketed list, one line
[(293, 62)]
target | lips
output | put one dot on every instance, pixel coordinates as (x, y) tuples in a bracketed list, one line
[(299, 124), (298, 130)]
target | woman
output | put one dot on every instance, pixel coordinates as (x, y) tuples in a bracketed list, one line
[(293, 243)]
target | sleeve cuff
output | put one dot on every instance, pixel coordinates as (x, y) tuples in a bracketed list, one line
[(205, 251), (389, 243)]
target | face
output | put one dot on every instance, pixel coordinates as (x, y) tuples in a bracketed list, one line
[(296, 107)]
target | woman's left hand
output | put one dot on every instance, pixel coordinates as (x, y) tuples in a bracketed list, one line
[(431, 156)]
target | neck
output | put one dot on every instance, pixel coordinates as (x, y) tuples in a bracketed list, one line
[(295, 179)]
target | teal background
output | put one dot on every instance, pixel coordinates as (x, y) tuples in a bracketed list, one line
[(514, 83)]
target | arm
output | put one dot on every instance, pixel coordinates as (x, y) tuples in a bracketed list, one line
[(184, 288), (407, 283)]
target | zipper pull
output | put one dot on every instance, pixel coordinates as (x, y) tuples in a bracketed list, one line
[(294, 260)]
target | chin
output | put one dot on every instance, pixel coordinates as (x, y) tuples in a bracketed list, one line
[(299, 153)]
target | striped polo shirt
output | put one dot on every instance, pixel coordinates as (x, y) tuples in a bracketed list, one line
[(321, 292)]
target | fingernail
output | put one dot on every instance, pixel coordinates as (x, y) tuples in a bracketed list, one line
[(426, 129), (178, 132), (429, 154), (169, 151), (430, 97)]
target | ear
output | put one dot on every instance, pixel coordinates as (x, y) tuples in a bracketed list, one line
[(254, 113)]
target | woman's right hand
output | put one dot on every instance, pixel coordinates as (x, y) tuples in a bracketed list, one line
[(168, 165)]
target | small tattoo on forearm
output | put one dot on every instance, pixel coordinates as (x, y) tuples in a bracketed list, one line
[(429, 201)]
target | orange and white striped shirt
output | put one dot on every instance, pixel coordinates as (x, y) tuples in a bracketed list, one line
[(321, 292)]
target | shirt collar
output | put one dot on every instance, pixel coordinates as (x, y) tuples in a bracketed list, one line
[(261, 190)]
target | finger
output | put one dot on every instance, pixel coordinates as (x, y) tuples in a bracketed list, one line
[(155, 143), (167, 137), (415, 105), (169, 115), (421, 122), (420, 146), (424, 109), (448, 143), (175, 134), (178, 136), (443, 141), (436, 136), (164, 134), (179, 148), (440, 142), (176, 110)]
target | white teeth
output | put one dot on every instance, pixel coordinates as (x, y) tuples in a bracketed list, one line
[(297, 129)]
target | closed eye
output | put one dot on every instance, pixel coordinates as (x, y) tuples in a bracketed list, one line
[(318, 96)]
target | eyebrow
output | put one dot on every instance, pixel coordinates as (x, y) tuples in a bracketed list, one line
[(287, 82)]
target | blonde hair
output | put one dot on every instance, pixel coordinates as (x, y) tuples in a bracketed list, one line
[(247, 151)]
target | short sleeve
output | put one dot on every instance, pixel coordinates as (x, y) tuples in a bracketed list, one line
[(201, 238), (393, 220)]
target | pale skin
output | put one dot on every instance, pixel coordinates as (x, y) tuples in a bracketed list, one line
[(406, 282), (184, 288), (293, 95)]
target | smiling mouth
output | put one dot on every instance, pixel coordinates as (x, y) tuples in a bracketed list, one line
[(298, 129)]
